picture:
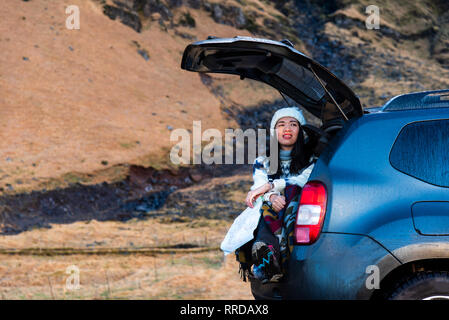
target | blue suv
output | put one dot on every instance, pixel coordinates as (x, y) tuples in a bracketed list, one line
[(379, 188)]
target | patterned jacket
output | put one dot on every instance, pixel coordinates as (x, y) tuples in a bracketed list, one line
[(260, 176)]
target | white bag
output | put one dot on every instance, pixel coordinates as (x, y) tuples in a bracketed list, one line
[(242, 229)]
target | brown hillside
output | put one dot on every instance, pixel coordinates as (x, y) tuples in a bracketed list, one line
[(82, 100)]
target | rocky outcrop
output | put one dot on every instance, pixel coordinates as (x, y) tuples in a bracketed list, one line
[(127, 17), (130, 13), (229, 15), (439, 46)]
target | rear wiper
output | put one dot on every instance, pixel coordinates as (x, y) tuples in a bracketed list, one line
[(330, 95)]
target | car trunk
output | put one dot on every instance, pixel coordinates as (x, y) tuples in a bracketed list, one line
[(279, 65)]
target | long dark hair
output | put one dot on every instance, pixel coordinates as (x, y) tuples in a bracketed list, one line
[(300, 156)]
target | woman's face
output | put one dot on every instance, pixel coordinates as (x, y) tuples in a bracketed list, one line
[(287, 132)]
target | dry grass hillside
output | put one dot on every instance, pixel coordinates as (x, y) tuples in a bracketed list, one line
[(84, 100), (408, 53)]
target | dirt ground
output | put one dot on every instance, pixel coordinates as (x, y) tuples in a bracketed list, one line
[(171, 275), (171, 253)]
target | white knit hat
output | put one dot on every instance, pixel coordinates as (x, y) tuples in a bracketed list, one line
[(293, 112)]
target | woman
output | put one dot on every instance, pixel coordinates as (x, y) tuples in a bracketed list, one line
[(274, 235)]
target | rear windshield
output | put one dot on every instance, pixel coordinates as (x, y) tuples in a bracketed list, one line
[(301, 78), (422, 151)]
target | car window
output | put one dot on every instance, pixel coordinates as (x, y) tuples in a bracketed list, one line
[(301, 78), (421, 150)]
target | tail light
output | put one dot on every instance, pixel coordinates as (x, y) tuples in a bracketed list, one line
[(311, 211)]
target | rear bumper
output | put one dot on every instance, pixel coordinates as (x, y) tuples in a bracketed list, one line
[(334, 267)]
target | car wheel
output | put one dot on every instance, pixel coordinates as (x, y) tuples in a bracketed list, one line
[(423, 286)]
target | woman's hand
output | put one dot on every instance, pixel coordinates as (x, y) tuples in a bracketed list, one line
[(254, 194), (277, 202)]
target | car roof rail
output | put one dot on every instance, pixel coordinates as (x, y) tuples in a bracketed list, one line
[(418, 100)]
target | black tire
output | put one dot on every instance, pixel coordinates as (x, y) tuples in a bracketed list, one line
[(423, 285)]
